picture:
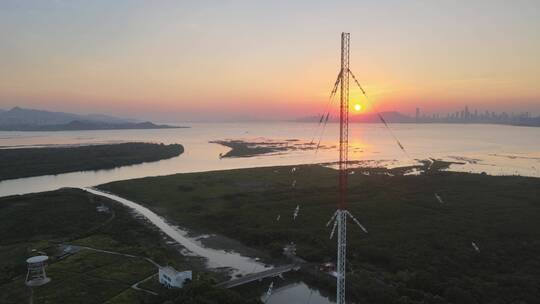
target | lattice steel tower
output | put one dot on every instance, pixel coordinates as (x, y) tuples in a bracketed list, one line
[(343, 170), (340, 216)]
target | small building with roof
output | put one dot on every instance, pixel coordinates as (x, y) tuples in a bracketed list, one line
[(171, 278)]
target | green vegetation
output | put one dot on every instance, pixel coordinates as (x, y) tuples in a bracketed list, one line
[(25, 162), (241, 148), (40, 222), (418, 249)]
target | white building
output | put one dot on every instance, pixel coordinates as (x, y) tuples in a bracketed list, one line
[(36, 275), (171, 278)]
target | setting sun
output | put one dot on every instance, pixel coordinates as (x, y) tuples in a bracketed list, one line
[(358, 107)]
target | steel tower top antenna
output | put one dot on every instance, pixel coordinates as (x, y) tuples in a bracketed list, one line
[(340, 216), (344, 121)]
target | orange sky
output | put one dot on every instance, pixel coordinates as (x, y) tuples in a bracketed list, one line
[(172, 61)]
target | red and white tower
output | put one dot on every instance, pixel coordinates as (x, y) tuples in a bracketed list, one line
[(340, 216)]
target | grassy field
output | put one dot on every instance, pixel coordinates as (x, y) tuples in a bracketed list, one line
[(39, 222), (25, 162), (418, 250)]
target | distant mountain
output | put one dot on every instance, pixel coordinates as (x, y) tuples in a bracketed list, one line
[(109, 119), (20, 116), (391, 117), (19, 119)]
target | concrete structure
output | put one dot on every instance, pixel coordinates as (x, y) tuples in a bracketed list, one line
[(172, 278), (274, 272), (36, 275)]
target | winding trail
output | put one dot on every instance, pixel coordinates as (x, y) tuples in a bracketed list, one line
[(215, 258)]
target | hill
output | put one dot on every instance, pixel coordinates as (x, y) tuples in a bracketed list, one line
[(19, 119)]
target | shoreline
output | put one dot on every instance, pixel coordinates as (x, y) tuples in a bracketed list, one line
[(13, 187)]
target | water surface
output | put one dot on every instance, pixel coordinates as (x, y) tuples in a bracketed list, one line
[(494, 149), (297, 293)]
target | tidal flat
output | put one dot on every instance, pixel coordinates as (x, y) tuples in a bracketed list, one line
[(250, 148)]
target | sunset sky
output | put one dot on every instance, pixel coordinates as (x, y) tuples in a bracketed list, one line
[(180, 60)]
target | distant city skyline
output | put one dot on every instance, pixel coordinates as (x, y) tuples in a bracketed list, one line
[(466, 112), (467, 115), (173, 61), (460, 116)]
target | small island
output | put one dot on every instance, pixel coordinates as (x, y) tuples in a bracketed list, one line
[(26, 162), (244, 148)]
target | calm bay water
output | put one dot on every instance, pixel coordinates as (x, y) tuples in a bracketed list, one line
[(484, 148)]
